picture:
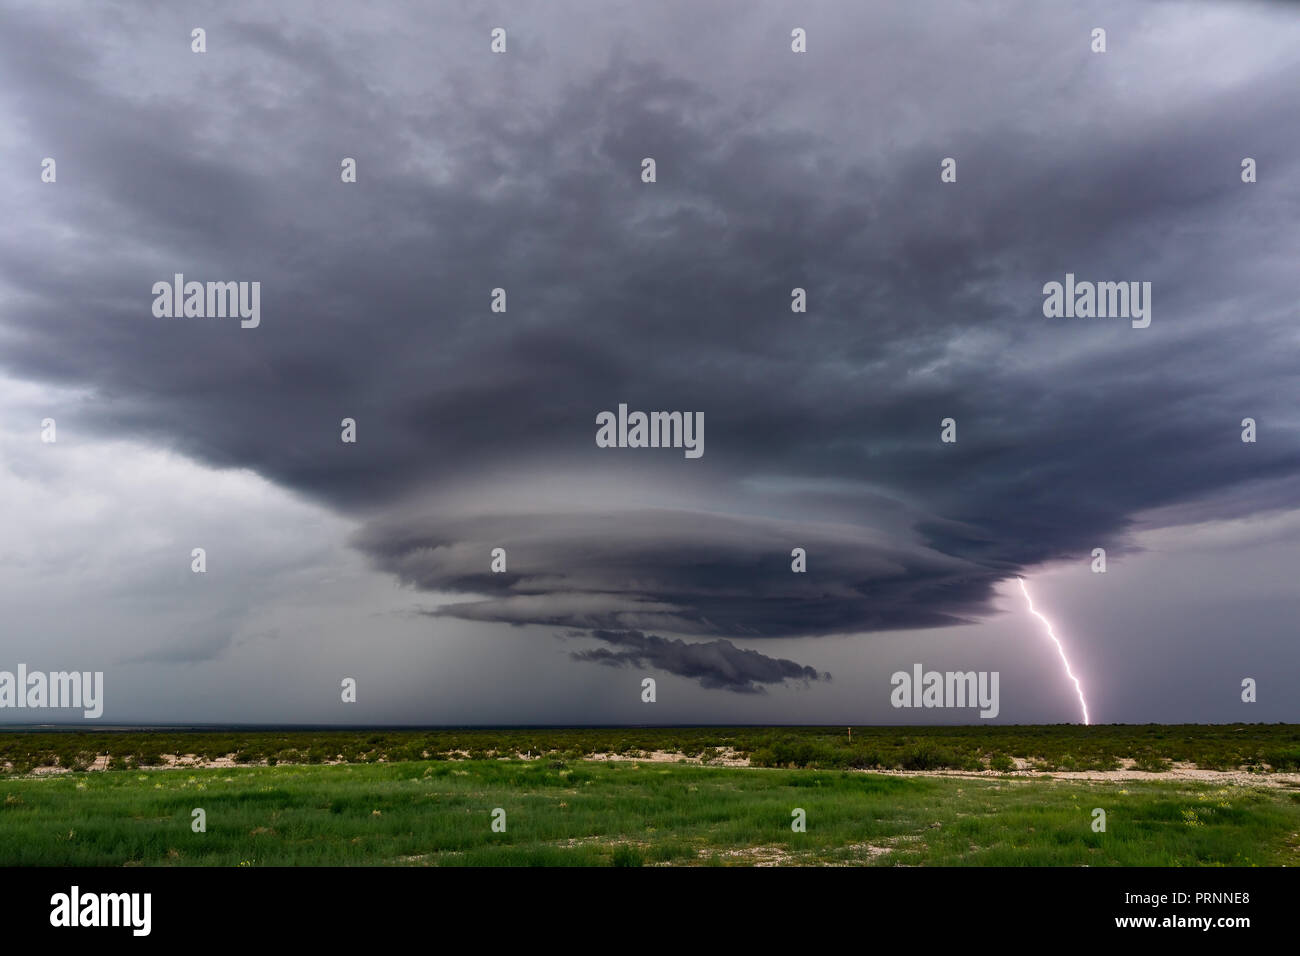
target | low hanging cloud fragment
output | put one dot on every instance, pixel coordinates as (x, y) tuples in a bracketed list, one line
[(716, 665)]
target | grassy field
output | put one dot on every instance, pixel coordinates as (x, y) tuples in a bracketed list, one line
[(1055, 747), (427, 797), (628, 813)]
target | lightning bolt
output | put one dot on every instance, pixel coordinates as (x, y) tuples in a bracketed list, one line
[(1060, 649)]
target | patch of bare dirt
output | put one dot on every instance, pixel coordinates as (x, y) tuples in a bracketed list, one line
[(1178, 771), (726, 757)]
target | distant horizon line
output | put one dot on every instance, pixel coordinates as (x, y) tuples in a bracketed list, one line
[(140, 727)]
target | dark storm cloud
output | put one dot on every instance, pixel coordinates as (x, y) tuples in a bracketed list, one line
[(716, 665), (685, 572), (481, 172)]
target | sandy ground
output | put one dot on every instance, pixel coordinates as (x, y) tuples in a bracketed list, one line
[(1240, 778), (1178, 771), (729, 758), (726, 758)]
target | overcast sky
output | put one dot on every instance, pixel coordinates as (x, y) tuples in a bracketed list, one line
[(477, 429)]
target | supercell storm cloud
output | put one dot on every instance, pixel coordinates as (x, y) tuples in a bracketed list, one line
[(500, 273)]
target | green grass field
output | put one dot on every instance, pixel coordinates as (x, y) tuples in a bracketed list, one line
[(588, 813), (563, 810)]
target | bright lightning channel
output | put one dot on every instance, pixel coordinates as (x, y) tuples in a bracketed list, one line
[(1077, 686)]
